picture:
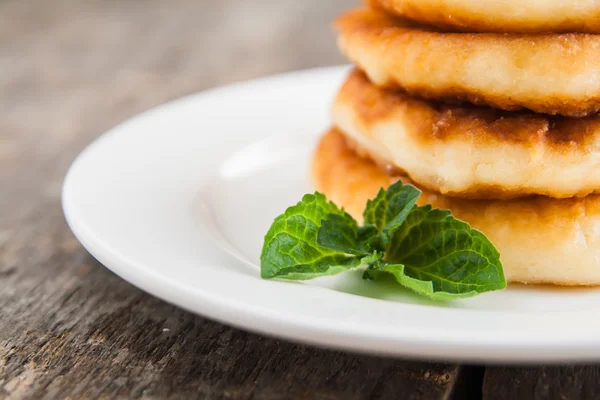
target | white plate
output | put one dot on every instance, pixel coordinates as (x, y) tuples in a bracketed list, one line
[(178, 199)]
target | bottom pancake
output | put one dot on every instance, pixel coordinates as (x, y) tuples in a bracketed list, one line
[(540, 239)]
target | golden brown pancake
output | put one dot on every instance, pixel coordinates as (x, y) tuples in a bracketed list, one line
[(546, 73), (516, 16), (468, 151), (540, 240)]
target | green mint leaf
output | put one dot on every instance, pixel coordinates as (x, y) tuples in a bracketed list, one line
[(421, 287), (291, 249), (369, 238), (372, 259), (342, 233), (441, 257), (388, 210)]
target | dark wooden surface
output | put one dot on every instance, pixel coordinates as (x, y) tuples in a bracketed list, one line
[(71, 329)]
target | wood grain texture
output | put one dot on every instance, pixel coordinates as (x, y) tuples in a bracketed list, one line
[(68, 327), (552, 383)]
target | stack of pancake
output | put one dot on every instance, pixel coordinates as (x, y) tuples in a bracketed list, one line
[(490, 110)]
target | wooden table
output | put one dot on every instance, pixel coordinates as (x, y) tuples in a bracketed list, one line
[(69, 328)]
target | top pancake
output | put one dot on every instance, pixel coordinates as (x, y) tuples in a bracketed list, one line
[(513, 16), (546, 73)]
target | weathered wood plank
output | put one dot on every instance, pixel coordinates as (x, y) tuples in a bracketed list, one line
[(560, 383), (74, 329), (68, 327)]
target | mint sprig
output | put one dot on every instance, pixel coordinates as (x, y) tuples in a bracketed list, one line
[(426, 250)]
